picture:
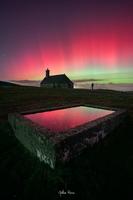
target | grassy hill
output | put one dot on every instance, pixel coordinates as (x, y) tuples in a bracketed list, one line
[(7, 84), (105, 171)]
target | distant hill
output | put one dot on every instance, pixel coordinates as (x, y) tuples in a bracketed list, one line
[(7, 84), (35, 83)]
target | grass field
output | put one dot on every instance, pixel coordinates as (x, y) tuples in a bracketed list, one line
[(105, 171)]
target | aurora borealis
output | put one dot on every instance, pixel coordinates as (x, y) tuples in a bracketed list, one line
[(86, 39)]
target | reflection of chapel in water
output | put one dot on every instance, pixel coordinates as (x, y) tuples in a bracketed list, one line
[(56, 81)]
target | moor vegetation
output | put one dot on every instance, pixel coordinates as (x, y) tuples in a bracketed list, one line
[(104, 171)]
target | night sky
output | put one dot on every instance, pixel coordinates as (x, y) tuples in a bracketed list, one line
[(86, 39)]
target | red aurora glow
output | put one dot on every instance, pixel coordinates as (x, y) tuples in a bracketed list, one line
[(87, 40)]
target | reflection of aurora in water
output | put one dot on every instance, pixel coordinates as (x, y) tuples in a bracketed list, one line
[(64, 119)]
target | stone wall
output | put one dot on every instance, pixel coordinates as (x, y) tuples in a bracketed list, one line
[(33, 138), (49, 147), (56, 85), (75, 140)]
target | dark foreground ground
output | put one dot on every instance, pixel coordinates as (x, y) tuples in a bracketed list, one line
[(103, 172)]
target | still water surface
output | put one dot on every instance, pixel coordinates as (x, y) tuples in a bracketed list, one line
[(64, 119)]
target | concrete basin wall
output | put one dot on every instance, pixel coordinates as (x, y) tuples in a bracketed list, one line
[(74, 141), (49, 147), (33, 138)]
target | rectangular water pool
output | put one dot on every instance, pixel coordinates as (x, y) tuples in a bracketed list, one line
[(64, 119), (62, 133)]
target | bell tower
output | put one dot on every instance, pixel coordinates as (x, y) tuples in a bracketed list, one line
[(47, 73)]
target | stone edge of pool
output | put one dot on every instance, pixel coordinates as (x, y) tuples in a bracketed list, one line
[(49, 147)]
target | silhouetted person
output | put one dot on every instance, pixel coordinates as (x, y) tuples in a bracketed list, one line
[(92, 86)]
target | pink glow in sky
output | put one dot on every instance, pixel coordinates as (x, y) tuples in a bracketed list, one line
[(85, 38)]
